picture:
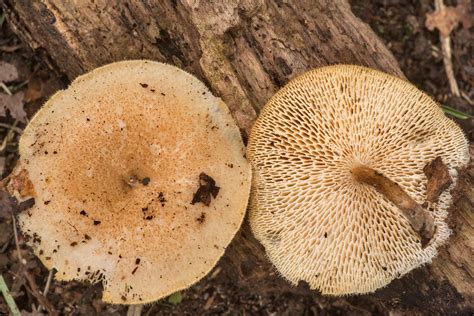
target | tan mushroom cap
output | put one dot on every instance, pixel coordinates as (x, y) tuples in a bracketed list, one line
[(315, 221), (115, 162)]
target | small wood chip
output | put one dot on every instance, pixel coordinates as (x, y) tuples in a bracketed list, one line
[(438, 179)]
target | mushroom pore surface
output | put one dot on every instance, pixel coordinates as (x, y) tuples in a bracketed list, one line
[(115, 162), (316, 221)]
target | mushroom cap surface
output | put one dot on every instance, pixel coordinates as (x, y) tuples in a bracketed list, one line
[(116, 162), (316, 222)]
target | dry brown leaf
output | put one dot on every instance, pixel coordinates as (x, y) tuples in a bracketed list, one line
[(438, 179), (448, 18), (8, 72), (14, 103), (32, 313), (6, 204), (40, 88), (34, 90), (466, 15)]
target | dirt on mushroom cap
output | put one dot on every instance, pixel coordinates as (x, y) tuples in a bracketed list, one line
[(114, 161), (316, 222)]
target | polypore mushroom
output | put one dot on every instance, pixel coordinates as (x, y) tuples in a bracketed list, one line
[(338, 187), (139, 180)]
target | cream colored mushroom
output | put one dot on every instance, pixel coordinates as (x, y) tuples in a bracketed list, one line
[(139, 180), (318, 150)]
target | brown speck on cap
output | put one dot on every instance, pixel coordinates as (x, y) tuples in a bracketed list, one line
[(201, 218), (311, 214), (120, 146), (161, 198)]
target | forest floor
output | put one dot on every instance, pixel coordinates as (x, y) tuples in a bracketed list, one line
[(401, 25)]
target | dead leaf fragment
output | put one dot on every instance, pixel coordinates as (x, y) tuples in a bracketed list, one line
[(6, 205), (438, 179), (448, 18), (32, 313), (14, 103), (40, 87), (207, 188), (8, 72), (19, 183), (34, 90)]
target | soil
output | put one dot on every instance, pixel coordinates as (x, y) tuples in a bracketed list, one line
[(399, 23)]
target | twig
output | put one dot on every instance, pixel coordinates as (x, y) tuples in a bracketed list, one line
[(8, 297), (48, 283), (11, 127), (8, 137), (6, 244), (46, 288), (446, 49), (421, 220), (5, 88), (13, 89), (31, 281), (17, 244), (35, 292), (18, 87), (10, 49), (467, 98)]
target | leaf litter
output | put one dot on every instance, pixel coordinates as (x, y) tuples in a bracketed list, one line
[(448, 18), (13, 102)]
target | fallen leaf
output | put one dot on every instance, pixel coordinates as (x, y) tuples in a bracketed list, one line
[(32, 313), (34, 90), (21, 184), (438, 179), (6, 204), (39, 88), (448, 18), (8, 72), (14, 103), (465, 11)]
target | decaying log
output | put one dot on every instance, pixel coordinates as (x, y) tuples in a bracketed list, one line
[(244, 51)]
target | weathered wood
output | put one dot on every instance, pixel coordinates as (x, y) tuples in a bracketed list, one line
[(245, 50)]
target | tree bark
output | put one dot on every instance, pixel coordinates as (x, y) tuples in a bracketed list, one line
[(245, 51)]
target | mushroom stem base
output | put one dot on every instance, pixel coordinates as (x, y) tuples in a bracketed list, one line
[(420, 219)]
